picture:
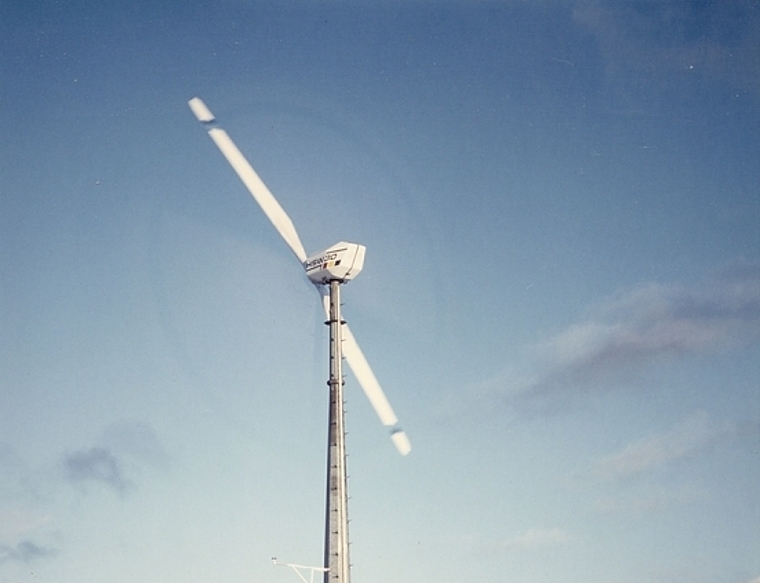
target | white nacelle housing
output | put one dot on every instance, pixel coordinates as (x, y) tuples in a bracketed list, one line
[(343, 261)]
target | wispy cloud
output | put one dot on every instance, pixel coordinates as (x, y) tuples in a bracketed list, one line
[(650, 499), (25, 552), (97, 465), (136, 441), (652, 323), (18, 520), (662, 45), (535, 538), (687, 438), (123, 449), (28, 494), (643, 467)]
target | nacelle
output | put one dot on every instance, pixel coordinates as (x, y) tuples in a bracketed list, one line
[(343, 261)]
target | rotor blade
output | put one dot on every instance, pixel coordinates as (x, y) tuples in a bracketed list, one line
[(366, 378), (368, 382), (253, 183), (363, 373)]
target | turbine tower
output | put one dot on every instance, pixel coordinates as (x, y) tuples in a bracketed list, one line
[(336, 558), (327, 270)]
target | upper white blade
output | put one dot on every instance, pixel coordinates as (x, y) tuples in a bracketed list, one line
[(255, 185)]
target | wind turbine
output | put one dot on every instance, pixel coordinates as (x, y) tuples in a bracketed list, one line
[(327, 270)]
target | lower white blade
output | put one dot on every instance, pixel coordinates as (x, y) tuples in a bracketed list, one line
[(253, 183), (363, 373), (368, 382)]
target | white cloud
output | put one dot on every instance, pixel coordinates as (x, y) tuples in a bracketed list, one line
[(650, 499), (18, 521), (689, 437), (535, 538), (26, 551), (652, 323), (656, 321)]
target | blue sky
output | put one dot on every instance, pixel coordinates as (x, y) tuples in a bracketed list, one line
[(561, 297)]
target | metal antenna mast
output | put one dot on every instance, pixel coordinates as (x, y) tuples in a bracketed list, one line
[(337, 563), (299, 568)]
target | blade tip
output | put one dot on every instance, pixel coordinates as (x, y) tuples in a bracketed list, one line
[(401, 441), (202, 113)]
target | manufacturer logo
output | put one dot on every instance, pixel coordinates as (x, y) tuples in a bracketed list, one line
[(327, 260)]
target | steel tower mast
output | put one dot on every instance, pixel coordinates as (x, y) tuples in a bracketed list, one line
[(336, 559)]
